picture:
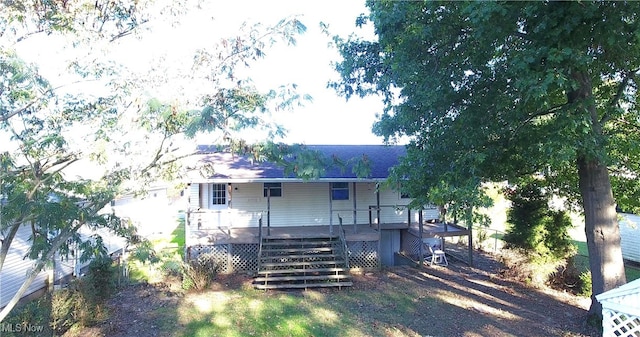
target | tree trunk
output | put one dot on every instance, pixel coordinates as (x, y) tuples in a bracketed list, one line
[(37, 268), (602, 230), (600, 218), (6, 242)]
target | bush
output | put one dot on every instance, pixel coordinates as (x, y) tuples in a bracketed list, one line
[(83, 302), (534, 227), (198, 273), (584, 285), (534, 270), (525, 216), (63, 306), (101, 279), (30, 319)]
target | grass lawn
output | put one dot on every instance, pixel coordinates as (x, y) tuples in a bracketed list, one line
[(170, 251), (404, 302), (582, 260)]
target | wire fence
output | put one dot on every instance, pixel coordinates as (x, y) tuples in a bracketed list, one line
[(488, 239)]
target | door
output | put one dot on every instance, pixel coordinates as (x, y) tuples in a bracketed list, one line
[(219, 204)]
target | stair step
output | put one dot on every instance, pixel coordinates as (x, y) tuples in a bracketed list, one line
[(296, 250), (302, 270), (300, 256), (303, 285), (301, 263), (297, 243), (301, 237), (301, 278)]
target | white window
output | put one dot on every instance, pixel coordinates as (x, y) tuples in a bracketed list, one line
[(218, 194), (274, 188), (339, 191)]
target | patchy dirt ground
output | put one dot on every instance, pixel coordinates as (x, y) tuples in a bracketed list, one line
[(454, 301)]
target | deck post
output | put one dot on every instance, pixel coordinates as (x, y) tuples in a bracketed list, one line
[(330, 211), (470, 245), (378, 204), (355, 209), (420, 232), (187, 231), (268, 211), (379, 228)]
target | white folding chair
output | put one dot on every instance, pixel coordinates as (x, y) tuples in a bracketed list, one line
[(435, 251)]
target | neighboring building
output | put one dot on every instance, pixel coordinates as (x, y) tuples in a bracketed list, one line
[(227, 209), (153, 212), (630, 236), (17, 264)]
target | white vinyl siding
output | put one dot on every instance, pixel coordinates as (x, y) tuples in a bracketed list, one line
[(14, 270), (630, 237), (194, 196), (308, 203), (16, 266)]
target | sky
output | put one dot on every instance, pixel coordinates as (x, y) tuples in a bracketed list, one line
[(328, 119)]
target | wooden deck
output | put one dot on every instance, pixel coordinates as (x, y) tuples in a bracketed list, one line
[(251, 234), (363, 232), (438, 229)]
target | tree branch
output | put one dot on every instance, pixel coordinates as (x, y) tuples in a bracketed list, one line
[(535, 115), (616, 98)]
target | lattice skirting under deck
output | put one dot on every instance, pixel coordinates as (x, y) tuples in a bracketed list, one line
[(363, 254), (410, 245), (233, 257), (243, 257), (619, 324)]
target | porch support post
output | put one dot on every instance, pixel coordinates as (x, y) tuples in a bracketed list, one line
[(379, 228), (420, 232), (378, 204), (470, 245), (268, 210), (355, 212), (330, 211), (187, 233)]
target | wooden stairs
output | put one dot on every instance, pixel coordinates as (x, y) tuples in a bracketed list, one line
[(302, 262)]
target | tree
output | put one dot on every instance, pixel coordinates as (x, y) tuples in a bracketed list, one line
[(69, 148), (495, 91)]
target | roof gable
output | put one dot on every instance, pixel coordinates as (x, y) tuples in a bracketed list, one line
[(379, 158)]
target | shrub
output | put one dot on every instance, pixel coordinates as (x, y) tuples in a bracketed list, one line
[(101, 279), (30, 319), (584, 285), (63, 309), (83, 302), (525, 216), (534, 227), (198, 273)]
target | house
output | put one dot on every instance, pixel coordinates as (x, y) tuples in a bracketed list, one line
[(152, 211), (630, 236), (233, 211), (17, 264)]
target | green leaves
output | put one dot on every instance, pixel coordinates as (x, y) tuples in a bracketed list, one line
[(486, 86)]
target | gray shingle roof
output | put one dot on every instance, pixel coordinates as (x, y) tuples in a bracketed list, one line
[(380, 159)]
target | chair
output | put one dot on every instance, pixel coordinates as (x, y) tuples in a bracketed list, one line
[(435, 251)]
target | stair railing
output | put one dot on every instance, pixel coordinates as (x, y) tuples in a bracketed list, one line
[(259, 241), (343, 241)]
